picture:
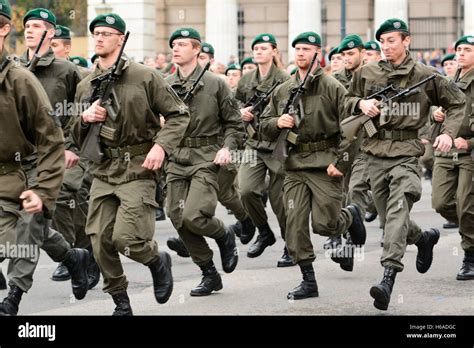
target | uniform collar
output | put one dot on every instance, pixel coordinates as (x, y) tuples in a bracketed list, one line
[(178, 80), (404, 68), (98, 71), (316, 75), (4, 60), (466, 80), (46, 60), (267, 82)]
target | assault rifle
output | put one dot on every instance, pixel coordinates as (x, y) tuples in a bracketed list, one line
[(31, 65)]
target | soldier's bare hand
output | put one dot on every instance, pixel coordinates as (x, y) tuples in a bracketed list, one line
[(162, 121), (223, 157), (32, 203), (333, 171), (247, 116), (286, 121), (425, 141), (439, 115), (461, 144), (94, 113), (443, 143), (154, 159), (369, 107), (71, 159)]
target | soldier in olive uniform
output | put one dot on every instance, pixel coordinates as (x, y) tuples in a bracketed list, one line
[(356, 184), (393, 152), (453, 189), (337, 62), (27, 127), (192, 168), (122, 205), (315, 165), (373, 52), (252, 175), (248, 64)]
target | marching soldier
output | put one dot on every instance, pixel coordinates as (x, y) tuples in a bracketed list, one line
[(373, 52), (315, 165), (81, 64), (192, 168), (234, 74), (248, 64), (121, 217), (337, 62), (393, 152), (252, 175), (453, 190), (28, 128)]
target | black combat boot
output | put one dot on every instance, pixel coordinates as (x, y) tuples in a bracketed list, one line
[(61, 273), (425, 245), (450, 224), (285, 260), (122, 302), (332, 242), (467, 269), (160, 214), (177, 244), (248, 231), (236, 228), (357, 228), (229, 251), (369, 217), (10, 304), (308, 287), (76, 262), (3, 281), (211, 281), (344, 255), (264, 239), (160, 269), (93, 270), (381, 292)]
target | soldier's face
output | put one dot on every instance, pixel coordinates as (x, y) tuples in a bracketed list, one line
[(304, 53), (393, 47), (337, 62), (371, 56), (183, 51), (107, 45), (233, 78), (203, 59), (353, 58), (450, 67), (248, 68), (465, 56), (60, 48), (34, 29), (263, 53)]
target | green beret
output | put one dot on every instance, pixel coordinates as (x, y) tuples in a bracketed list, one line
[(448, 57), (62, 32), (391, 25), (5, 9), (233, 67), (79, 61), (308, 37), (333, 52), (465, 40), (350, 42), (41, 14), (248, 60), (294, 71), (185, 33), (94, 58), (372, 46), (109, 20), (264, 38), (207, 48)]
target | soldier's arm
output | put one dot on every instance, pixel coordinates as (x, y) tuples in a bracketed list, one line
[(78, 129), (166, 102), (48, 138), (447, 95), (355, 95), (269, 117), (229, 113), (74, 78)]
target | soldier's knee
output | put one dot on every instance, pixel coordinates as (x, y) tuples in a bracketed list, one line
[(121, 244)]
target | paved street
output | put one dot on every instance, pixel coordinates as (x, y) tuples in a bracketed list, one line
[(257, 287)]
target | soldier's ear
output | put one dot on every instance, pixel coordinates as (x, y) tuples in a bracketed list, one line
[(5, 30), (406, 42), (51, 33)]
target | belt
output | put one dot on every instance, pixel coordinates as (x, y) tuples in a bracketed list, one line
[(9, 167), (127, 151), (321, 145), (199, 142), (395, 134)]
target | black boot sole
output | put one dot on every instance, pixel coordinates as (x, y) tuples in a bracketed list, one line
[(381, 301), (464, 277), (302, 297), (285, 264), (260, 252)]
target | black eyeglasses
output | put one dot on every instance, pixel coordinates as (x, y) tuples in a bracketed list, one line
[(104, 34)]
